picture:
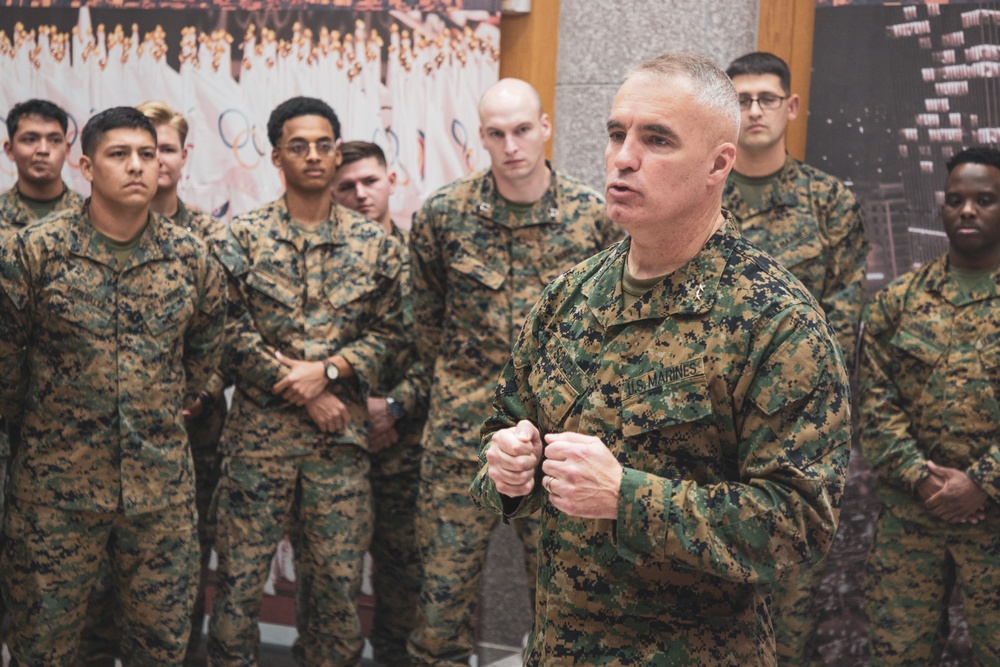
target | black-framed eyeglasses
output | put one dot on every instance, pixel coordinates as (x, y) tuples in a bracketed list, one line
[(766, 101), (298, 148)]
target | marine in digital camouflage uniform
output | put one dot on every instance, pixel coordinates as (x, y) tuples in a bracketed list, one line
[(930, 408), (111, 339), (685, 443), (479, 263), (397, 412), (37, 147), (811, 223), (203, 420), (317, 315)]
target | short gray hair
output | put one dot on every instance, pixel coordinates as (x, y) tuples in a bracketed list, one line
[(713, 89)]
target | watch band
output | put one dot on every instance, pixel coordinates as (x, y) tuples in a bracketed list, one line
[(394, 407)]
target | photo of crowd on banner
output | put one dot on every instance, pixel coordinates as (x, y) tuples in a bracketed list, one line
[(226, 76)]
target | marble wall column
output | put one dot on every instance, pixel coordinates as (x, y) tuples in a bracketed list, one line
[(601, 40)]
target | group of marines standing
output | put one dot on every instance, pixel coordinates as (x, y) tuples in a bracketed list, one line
[(667, 413)]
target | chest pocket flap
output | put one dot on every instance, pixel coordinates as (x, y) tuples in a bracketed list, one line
[(788, 376), (269, 284), (76, 306), (350, 287), (800, 247), (665, 397), (170, 312), (917, 346), (557, 382), (468, 264)]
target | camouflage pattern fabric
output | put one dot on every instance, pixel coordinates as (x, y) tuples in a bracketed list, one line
[(14, 216), (99, 645), (454, 536), (113, 356), (930, 372), (395, 479), (811, 223), (328, 496), (310, 296), (52, 559), (114, 353), (308, 299), (477, 270), (204, 433), (725, 398), (912, 570)]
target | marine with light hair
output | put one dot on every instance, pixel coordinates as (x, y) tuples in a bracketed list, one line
[(397, 411), (676, 407), (482, 250)]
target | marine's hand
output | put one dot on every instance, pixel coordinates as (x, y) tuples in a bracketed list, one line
[(194, 410), (382, 440), (513, 457), (960, 500), (304, 382), (329, 412), (582, 476)]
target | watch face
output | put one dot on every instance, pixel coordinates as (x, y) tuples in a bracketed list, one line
[(332, 372), (395, 409)]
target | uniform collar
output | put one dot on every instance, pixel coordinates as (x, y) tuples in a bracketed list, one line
[(327, 233), (86, 241), (690, 290), (781, 193), (940, 281), (22, 215), (489, 205)]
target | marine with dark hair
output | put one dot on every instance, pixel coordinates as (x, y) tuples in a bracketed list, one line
[(203, 418), (36, 143), (109, 326), (930, 428), (675, 407), (810, 222), (315, 320)]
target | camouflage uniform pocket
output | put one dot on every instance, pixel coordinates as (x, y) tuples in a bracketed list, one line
[(469, 265), (344, 289), (73, 305), (170, 312), (557, 382), (273, 287), (670, 430)]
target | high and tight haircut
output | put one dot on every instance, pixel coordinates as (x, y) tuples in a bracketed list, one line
[(986, 155), (161, 113), (295, 107), (713, 89), (761, 62), (113, 119), (352, 151), (36, 107)]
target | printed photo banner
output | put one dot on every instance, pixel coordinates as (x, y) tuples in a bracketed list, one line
[(404, 74), (897, 89)]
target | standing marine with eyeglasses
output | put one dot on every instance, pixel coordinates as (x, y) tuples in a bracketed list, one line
[(810, 222), (316, 313)]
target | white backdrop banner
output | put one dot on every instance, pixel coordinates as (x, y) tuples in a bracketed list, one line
[(407, 79)]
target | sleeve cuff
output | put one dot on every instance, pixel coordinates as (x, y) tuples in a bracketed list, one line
[(986, 473), (644, 505)]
